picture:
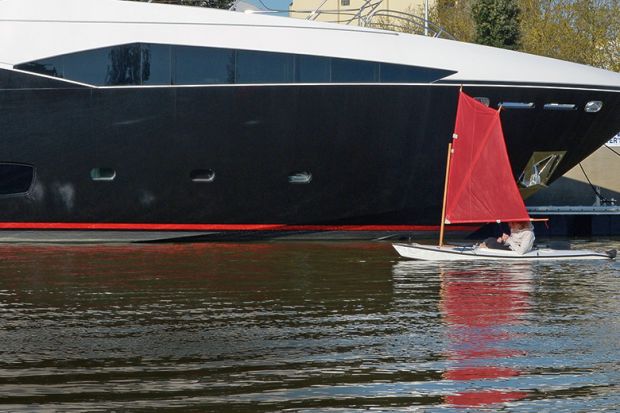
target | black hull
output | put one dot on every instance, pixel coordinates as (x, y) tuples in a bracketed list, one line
[(376, 152)]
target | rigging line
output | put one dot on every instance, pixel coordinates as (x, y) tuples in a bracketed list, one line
[(596, 191), (609, 147), (267, 7)]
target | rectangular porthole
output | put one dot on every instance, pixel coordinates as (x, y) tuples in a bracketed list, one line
[(517, 105), (102, 174), (300, 178), (15, 179), (483, 100), (202, 175), (560, 106)]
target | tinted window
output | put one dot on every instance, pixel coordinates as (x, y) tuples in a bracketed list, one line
[(202, 65), (132, 64), (410, 74), (350, 71), (124, 65), (313, 69), (88, 67), (15, 179), (264, 67), (51, 67), (156, 64)]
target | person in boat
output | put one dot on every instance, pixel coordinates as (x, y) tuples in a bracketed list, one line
[(520, 240)]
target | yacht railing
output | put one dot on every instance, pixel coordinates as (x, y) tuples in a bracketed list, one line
[(400, 21), (369, 14)]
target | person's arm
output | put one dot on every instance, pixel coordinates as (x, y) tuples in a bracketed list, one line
[(526, 243)]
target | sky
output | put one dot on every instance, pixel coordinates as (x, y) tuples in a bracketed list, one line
[(274, 4)]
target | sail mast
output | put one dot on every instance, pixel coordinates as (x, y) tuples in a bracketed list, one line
[(445, 193)]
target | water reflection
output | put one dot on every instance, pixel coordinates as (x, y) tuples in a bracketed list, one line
[(479, 306)]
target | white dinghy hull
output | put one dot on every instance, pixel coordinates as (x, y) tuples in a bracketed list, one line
[(469, 253)]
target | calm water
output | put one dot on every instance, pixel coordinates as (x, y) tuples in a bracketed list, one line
[(302, 327)]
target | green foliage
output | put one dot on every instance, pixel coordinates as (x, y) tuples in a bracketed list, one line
[(582, 31), (497, 23), (455, 17)]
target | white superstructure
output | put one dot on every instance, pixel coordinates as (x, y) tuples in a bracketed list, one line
[(34, 29)]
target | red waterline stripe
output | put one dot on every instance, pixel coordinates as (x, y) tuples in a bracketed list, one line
[(221, 227)]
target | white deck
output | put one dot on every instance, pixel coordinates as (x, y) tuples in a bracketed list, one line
[(35, 29)]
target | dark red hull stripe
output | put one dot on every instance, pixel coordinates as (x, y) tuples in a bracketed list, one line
[(222, 227)]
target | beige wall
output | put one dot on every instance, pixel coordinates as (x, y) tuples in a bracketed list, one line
[(602, 167), (410, 6)]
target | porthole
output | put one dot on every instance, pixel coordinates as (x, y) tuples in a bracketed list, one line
[(300, 178), (517, 105), (483, 100), (15, 178), (102, 174), (593, 106), (560, 106), (202, 175)]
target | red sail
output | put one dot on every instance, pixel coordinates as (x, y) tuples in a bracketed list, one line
[(481, 187)]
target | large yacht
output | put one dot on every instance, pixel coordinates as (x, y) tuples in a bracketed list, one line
[(140, 121)]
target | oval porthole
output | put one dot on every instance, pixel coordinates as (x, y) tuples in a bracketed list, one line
[(517, 105), (202, 175), (300, 178), (560, 106), (593, 106), (102, 174)]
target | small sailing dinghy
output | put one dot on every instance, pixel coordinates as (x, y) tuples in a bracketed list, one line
[(474, 253), (480, 188)]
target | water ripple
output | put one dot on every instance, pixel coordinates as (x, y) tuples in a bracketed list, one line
[(302, 327)]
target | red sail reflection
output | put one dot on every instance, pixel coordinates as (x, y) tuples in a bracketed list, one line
[(476, 305)]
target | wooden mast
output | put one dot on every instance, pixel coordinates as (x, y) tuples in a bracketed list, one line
[(445, 194)]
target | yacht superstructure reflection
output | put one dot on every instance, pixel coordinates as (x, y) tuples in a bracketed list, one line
[(185, 121)]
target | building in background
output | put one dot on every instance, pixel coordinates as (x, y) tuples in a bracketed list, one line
[(602, 169), (346, 11), (586, 200)]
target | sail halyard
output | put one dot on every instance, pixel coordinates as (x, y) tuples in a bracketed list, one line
[(481, 186)]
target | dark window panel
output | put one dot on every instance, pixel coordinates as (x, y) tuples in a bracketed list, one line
[(264, 67), (313, 69), (124, 65), (15, 178), (156, 64), (203, 65), (391, 73), (354, 71), (90, 66), (50, 67)]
